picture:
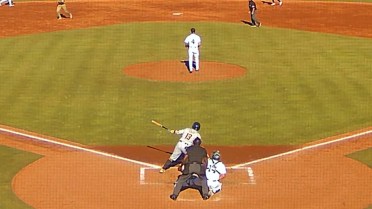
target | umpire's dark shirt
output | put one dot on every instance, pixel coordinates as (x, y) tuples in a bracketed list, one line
[(196, 154)]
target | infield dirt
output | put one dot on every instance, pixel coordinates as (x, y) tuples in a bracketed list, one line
[(317, 178)]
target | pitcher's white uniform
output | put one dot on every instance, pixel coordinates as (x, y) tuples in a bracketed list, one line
[(215, 169), (188, 135), (193, 43)]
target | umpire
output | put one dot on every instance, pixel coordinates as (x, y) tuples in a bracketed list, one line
[(194, 164)]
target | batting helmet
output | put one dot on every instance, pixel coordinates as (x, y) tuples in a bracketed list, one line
[(216, 155), (197, 141), (196, 126)]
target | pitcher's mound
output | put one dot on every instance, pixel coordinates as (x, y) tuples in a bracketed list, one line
[(177, 71)]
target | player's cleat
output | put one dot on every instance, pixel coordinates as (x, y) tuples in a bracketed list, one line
[(205, 197), (259, 25), (173, 197), (210, 193), (11, 5), (162, 170), (272, 4), (280, 3)]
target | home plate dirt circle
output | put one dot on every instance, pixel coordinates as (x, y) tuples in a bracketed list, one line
[(177, 71)]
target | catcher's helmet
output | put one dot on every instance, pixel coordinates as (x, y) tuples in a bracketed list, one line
[(196, 126), (216, 155), (197, 141)]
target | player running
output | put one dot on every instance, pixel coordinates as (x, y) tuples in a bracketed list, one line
[(62, 5)]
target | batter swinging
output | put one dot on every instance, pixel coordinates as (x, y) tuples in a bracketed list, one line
[(193, 42), (188, 135)]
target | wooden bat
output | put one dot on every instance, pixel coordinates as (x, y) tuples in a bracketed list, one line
[(159, 149), (160, 125)]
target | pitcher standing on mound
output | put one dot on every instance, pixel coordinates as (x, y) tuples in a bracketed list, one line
[(193, 42)]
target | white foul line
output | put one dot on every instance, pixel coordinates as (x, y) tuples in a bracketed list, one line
[(157, 167), (79, 148), (302, 149)]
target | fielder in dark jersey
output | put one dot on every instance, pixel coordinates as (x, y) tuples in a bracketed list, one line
[(253, 9)]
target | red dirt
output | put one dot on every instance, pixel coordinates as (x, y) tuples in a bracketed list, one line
[(319, 178), (350, 19), (177, 71), (231, 154)]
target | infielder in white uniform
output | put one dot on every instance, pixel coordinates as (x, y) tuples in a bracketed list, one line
[(10, 2), (193, 42), (216, 171), (188, 135)]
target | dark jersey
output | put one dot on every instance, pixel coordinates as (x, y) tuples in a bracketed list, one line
[(252, 6), (196, 154)]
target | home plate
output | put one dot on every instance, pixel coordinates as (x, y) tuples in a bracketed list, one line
[(177, 13)]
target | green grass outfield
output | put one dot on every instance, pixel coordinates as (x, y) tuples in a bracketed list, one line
[(299, 86), (11, 161), (363, 156)]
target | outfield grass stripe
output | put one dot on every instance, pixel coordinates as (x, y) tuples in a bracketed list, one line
[(15, 97), (283, 98)]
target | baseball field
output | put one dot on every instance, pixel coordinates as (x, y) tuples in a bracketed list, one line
[(290, 100)]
